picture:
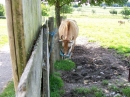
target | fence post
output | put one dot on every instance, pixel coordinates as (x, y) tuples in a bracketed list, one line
[(46, 67), (9, 17), (51, 46)]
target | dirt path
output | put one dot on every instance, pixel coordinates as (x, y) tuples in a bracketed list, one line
[(95, 64), (5, 67)]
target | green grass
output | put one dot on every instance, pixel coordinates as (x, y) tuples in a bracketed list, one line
[(3, 32), (95, 91), (103, 28), (66, 65), (107, 32), (105, 82), (9, 90), (114, 88), (56, 86), (56, 83), (126, 91), (82, 90)]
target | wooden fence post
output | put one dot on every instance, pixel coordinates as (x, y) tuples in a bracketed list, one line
[(51, 46), (9, 17), (46, 67)]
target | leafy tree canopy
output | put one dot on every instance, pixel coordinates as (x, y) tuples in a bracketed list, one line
[(92, 2), (61, 2)]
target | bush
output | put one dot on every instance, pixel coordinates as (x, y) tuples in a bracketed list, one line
[(113, 11), (125, 11), (66, 9), (2, 11), (45, 10)]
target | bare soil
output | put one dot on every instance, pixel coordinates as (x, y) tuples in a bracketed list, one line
[(93, 65)]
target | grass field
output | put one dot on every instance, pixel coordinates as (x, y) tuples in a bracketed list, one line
[(104, 29), (108, 32), (3, 32)]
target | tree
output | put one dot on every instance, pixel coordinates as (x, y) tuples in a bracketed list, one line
[(44, 10), (1, 10), (66, 9), (60, 3), (125, 12)]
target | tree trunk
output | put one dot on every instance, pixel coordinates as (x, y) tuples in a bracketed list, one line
[(57, 14)]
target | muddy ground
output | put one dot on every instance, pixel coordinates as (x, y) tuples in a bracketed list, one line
[(95, 64)]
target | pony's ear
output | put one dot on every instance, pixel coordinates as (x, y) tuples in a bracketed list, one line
[(62, 37)]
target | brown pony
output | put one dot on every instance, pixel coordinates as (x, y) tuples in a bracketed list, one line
[(121, 22), (68, 32)]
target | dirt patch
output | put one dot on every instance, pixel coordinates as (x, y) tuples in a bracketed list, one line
[(93, 65)]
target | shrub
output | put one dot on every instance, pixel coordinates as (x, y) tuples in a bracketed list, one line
[(66, 9), (2, 10), (125, 11), (44, 10), (113, 11)]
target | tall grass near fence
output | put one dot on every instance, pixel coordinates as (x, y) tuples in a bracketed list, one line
[(3, 32)]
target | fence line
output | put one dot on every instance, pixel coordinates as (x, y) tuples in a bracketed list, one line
[(30, 81), (34, 81)]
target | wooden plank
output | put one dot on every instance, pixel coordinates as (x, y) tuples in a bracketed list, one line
[(9, 18), (30, 82), (46, 67), (23, 28), (17, 13)]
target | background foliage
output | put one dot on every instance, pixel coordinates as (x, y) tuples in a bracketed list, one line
[(2, 11)]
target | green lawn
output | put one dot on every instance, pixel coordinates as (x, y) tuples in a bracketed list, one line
[(9, 90), (105, 30), (3, 32)]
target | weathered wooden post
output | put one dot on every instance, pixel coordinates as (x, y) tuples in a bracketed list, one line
[(51, 46), (46, 65), (23, 27), (9, 18)]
